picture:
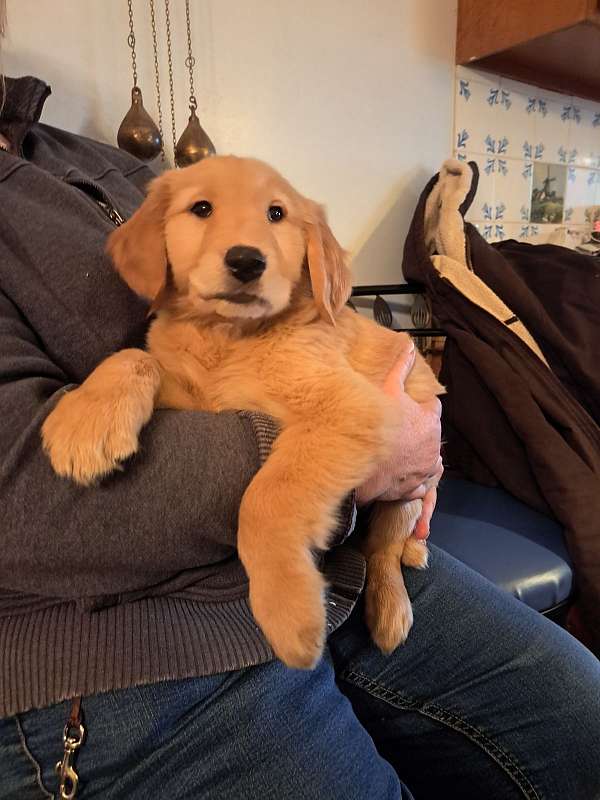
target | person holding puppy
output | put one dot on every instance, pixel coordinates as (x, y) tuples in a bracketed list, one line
[(128, 598)]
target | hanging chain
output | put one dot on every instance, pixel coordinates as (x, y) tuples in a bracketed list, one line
[(157, 75), (131, 42), (170, 59), (190, 60)]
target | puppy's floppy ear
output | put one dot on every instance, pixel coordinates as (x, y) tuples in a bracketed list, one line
[(330, 278), (138, 247)]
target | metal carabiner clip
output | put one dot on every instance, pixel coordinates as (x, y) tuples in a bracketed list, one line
[(69, 779)]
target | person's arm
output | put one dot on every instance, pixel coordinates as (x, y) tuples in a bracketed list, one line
[(173, 507)]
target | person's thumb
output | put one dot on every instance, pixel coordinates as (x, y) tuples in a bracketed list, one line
[(401, 369)]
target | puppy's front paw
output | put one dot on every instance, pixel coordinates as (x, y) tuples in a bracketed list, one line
[(288, 604), (87, 437)]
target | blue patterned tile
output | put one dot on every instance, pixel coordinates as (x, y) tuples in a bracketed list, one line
[(502, 166), (524, 213), (527, 231), (527, 170), (464, 90), (461, 139), (493, 97), (490, 144), (571, 112), (539, 150), (500, 209), (527, 150), (536, 104)]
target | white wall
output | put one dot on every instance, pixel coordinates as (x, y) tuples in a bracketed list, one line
[(350, 99)]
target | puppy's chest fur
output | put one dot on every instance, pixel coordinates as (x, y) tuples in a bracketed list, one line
[(281, 371)]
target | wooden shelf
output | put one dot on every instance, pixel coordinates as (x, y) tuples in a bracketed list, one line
[(553, 44)]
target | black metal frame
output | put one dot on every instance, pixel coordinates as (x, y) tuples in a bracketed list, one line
[(397, 289)]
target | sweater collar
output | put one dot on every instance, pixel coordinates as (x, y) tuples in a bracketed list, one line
[(23, 103)]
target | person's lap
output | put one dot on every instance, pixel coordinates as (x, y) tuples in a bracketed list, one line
[(486, 699)]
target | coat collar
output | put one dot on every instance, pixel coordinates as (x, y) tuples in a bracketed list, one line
[(23, 103)]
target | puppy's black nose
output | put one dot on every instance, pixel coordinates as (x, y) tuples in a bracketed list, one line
[(246, 263)]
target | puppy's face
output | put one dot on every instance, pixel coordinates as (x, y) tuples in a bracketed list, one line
[(233, 239)]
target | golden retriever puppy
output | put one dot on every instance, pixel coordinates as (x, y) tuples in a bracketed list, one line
[(250, 287)]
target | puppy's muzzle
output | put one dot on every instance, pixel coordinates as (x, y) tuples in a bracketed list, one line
[(245, 263)]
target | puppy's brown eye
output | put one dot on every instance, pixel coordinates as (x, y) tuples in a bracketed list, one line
[(202, 208), (275, 213)]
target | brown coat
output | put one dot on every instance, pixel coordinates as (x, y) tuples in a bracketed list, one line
[(520, 368)]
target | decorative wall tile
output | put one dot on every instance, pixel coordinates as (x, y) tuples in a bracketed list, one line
[(581, 194), (584, 137), (551, 132), (528, 231), (538, 233), (476, 112), (492, 231), (482, 207), (513, 189), (515, 123), (510, 231)]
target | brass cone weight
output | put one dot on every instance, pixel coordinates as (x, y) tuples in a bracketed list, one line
[(138, 133), (193, 144)]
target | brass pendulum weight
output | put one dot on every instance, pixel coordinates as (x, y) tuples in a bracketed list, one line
[(194, 143), (138, 133)]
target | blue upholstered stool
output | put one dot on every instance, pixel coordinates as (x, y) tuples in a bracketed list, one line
[(509, 543)]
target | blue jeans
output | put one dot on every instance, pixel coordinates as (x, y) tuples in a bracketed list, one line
[(487, 699)]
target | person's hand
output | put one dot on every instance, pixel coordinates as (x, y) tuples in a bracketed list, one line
[(415, 466)]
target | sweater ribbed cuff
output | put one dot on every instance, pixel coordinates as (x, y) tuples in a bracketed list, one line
[(266, 430)]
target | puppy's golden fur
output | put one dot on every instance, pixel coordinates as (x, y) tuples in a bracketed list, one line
[(284, 344)]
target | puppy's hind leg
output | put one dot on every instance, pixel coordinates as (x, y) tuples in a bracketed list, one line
[(388, 544)]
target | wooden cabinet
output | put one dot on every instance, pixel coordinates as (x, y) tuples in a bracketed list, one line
[(550, 43)]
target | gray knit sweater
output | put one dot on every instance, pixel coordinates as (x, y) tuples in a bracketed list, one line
[(137, 579)]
